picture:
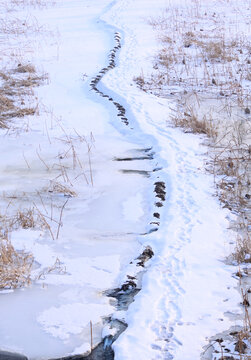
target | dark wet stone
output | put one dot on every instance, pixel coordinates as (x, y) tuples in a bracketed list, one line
[(155, 223), (158, 204), (160, 184), (128, 285), (100, 352), (156, 215), (124, 298), (5, 355), (133, 158), (146, 255), (234, 333), (157, 169), (161, 196), (220, 340), (160, 190), (139, 172)]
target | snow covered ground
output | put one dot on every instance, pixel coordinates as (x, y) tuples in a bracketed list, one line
[(188, 293)]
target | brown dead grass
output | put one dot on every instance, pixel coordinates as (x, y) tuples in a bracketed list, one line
[(217, 51), (15, 266), (190, 122), (58, 188), (26, 219), (17, 89)]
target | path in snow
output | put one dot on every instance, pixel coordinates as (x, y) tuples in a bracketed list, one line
[(188, 291)]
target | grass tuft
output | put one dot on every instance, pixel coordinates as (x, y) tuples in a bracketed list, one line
[(15, 266)]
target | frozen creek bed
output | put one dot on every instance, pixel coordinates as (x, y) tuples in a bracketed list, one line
[(137, 187)]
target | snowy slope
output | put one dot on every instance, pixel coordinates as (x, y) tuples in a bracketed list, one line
[(187, 289)]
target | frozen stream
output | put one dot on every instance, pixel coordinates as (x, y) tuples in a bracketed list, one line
[(134, 161), (103, 225)]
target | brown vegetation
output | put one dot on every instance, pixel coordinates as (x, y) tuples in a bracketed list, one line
[(15, 266)]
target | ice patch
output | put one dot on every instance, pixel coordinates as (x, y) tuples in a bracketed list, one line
[(69, 319), (132, 208)]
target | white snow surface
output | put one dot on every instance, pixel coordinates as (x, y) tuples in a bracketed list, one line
[(187, 290)]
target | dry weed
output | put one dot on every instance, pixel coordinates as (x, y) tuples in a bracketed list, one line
[(15, 266), (56, 268), (140, 81), (58, 188), (13, 4), (165, 58), (217, 51), (29, 68), (16, 89), (26, 218), (190, 122)]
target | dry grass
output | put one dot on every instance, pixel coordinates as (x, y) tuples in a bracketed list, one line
[(20, 78), (6, 104), (28, 68), (11, 5), (12, 26), (17, 89), (217, 51), (15, 266), (140, 81), (57, 268), (190, 122), (165, 58), (58, 188), (20, 32), (204, 50), (26, 219), (243, 247)]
